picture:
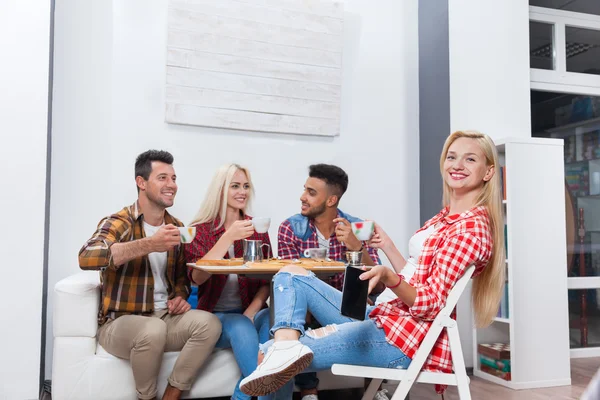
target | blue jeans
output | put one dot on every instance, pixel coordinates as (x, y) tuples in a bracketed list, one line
[(243, 337), (350, 342)]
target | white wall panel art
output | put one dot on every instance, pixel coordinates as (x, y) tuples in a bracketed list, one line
[(257, 65)]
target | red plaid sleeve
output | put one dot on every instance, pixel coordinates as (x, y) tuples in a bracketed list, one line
[(286, 242), (374, 255), (198, 247), (459, 252)]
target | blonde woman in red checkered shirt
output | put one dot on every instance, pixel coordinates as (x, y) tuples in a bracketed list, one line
[(238, 301), (468, 231)]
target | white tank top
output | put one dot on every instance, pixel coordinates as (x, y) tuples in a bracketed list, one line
[(230, 296), (415, 247)]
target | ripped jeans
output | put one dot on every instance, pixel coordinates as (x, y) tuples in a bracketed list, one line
[(342, 340)]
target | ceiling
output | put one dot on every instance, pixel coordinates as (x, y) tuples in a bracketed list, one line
[(583, 6), (583, 45), (540, 35)]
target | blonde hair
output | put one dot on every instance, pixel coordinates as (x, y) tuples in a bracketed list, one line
[(215, 201), (487, 286)]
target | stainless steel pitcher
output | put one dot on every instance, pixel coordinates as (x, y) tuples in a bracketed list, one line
[(253, 250), (354, 258)]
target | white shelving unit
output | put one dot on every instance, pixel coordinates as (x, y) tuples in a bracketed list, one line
[(537, 326)]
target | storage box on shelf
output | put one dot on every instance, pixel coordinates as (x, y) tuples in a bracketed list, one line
[(534, 324)]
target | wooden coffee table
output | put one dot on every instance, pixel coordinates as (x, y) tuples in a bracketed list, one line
[(266, 269)]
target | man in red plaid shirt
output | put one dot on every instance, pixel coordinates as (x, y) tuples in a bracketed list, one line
[(321, 224)]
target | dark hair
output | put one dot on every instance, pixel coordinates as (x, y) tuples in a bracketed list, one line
[(335, 177), (143, 162)]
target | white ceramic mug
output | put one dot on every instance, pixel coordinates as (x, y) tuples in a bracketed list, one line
[(187, 233), (363, 230), (316, 254), (261, 225)]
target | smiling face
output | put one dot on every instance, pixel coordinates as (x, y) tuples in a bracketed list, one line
[(161, 187), (239, 191), (314, 198), (465, 166)]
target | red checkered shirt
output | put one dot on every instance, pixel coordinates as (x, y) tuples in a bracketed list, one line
[(459, 241), (290, 246), (210, 291)]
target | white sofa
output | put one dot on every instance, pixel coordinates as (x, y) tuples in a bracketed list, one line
[(82, 369)]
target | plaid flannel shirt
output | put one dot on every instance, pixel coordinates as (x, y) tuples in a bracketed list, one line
[(210, 291), (460, 241), (129, 288), (290, 246)]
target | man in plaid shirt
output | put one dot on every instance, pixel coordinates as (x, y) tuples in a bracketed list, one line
[(321, 224), (143, 309)]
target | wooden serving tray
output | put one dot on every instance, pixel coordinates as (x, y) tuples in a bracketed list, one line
[(221, 263), (303, 262), (236, 266)]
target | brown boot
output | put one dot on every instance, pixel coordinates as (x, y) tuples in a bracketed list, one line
[(171, 393)]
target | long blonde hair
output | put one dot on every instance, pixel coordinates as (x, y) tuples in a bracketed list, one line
[(215, 201), (487, 286)]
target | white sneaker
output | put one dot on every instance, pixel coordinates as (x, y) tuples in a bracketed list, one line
[(381, 395), (282, 362)]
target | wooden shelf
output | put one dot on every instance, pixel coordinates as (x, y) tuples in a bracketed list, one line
[(570, 127)]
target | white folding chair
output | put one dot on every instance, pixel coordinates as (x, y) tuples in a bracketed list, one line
[(414, 374)]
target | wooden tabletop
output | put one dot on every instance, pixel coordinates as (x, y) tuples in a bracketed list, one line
[(268, 267)]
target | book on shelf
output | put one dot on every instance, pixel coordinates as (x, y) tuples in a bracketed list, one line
[(588, 146), (495, 372), (506, 240), (503, 307), (577, 176), (499, 365), (494, 359), (570, 149), (503, 181), (498, 351)]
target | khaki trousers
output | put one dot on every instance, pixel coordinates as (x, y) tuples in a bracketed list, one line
[(143, 340)]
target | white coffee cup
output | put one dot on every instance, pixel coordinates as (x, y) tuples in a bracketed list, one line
[(187, 233), (316, 254), (363, 230), (261, 225)]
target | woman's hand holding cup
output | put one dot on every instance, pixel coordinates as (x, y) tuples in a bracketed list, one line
[(380, 239), (239, 230)]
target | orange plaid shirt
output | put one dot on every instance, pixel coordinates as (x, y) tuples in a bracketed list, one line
[(129, 288)]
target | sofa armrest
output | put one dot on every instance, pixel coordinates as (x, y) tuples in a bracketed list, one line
[(76, 302)]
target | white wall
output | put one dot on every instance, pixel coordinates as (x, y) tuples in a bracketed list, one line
[(25, 44), (489, 67), (489, 85), (109, 106)]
